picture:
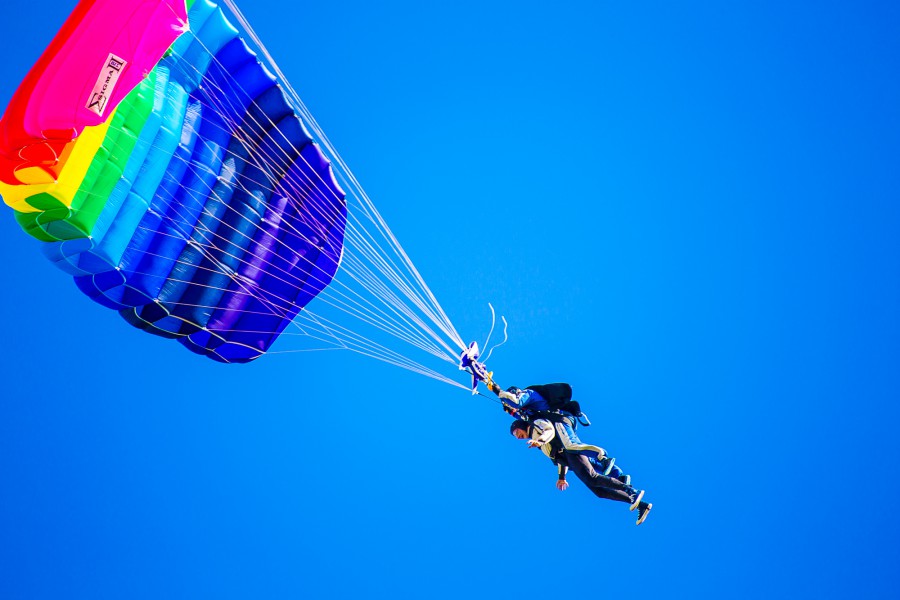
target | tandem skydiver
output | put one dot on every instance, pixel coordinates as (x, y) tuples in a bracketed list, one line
[(547, 417)]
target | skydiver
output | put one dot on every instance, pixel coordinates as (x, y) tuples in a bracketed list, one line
[(548, 436)]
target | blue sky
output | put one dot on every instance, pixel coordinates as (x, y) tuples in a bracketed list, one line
[(690, 212)]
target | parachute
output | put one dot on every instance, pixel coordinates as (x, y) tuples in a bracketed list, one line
[(164, 161), (176, 184)]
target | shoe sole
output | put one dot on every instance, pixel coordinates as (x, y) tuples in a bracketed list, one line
[(637, 500), (643, 517)]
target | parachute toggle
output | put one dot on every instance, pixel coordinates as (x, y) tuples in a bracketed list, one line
[(468, 361)]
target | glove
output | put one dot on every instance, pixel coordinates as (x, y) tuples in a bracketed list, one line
[(510, 410)]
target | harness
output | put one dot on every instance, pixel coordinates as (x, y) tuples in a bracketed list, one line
[(556, 445)]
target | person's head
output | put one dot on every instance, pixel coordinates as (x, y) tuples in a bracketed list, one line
[(519, 429), (514, 390)]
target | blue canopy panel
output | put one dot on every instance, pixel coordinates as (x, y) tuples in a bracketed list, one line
[(269, 234)]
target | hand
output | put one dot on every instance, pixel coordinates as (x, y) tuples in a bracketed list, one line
[(534, 444), (562, 485)]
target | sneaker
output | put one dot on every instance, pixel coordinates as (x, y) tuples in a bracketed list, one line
[(643, 511), (626, 479), (636, 499), (609, 466)]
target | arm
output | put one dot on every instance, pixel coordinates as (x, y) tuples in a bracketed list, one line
[(509, 400), (506, 396), (561, 483)]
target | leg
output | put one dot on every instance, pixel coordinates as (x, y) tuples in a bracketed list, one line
[(601, 485)]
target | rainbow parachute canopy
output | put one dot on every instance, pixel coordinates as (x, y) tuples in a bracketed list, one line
[(165, 168)]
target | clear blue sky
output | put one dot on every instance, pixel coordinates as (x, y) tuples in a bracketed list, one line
[(689, 211)]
